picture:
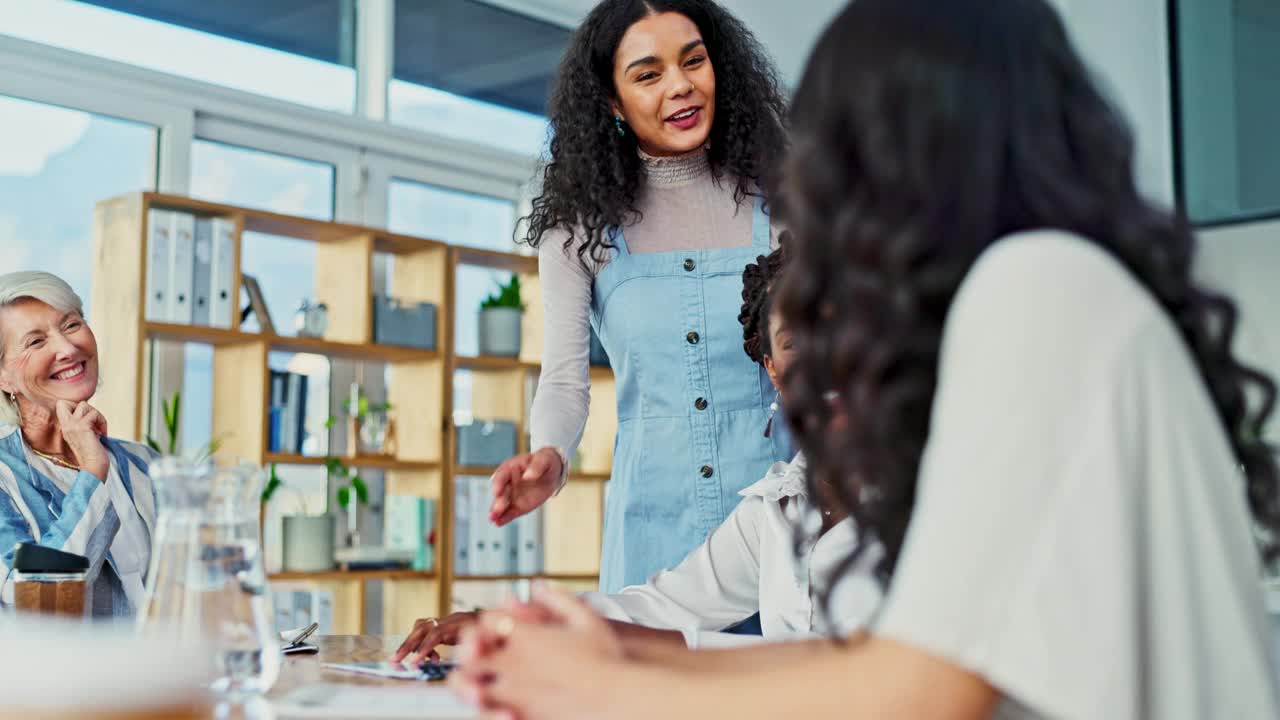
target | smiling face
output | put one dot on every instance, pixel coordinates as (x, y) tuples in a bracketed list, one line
[(666, 87), (49, 355)]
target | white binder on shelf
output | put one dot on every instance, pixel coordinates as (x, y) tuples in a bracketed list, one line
[(529, 543), (201, 279), (482, 554), (222, 305), (181, 267), (302, 608), (462, 527), (283, 602), (499, 545), (159, 228), (322, 610), (513, 549), (500, 538)]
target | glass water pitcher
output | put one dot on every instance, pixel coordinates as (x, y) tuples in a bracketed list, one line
[(207, 582)]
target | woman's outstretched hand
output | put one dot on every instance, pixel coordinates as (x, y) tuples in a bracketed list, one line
[(523, 483), (429, 633)]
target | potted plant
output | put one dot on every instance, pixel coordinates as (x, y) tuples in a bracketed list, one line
[(307, 538), (369, 429), (500, 317), (172, 410), (352, 491)]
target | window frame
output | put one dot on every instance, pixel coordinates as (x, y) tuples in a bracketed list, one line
[(1178, 146)]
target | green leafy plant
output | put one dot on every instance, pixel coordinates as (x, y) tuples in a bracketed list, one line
[(508, 296), (172, 409), (352, 487), (172, 412), (361, 410), (274, 483)]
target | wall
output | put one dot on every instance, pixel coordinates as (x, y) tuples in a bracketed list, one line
[(1127, 45)]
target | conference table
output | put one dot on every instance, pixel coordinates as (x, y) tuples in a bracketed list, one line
[(304, 675)]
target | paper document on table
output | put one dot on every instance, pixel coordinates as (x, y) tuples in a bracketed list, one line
[(375, 703)]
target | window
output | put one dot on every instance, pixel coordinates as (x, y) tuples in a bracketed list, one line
[(295, 50), (474, 72), (267, 181), (1228, 105), (55, 166), (284, 267), (455, 217)]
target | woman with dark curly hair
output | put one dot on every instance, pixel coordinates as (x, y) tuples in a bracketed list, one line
[(666, 125), (1010, 378)]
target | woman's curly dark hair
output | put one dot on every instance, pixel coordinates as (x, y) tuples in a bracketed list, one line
[(757, 296), (592, 179), (923, 133)]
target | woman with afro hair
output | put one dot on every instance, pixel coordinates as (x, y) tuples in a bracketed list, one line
[(667, 125)]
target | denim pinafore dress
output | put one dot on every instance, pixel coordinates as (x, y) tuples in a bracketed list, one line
[(692, 407)]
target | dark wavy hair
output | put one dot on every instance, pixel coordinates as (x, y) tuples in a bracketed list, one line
[(924, 131), (593, 176), (757, 301)]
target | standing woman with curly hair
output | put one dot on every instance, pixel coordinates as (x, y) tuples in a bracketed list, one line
[(666, 127)]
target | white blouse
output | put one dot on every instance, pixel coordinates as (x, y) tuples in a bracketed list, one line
[(1080, 537), (749, 565)]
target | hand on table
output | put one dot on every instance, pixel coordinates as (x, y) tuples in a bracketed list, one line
[(428, 633), (553, 658), (523, 483), (83, 427)]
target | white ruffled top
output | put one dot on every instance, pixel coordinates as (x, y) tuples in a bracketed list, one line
[(749, 565)]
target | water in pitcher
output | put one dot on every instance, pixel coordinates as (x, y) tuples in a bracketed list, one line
[(207, 577)]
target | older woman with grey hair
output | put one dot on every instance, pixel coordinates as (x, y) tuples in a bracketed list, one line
[(63, 483)]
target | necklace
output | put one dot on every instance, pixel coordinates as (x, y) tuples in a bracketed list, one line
[(54, 459)]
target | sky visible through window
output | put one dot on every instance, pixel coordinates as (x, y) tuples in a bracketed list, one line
[(180, 51), (55, 166), (458, 218), (261, 70)]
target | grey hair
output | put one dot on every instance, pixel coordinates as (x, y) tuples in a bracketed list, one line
[(48, 289)]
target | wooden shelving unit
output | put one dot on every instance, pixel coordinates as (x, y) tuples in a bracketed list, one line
[(396, 574), (517, 578), (420, 384), (371, 462), (500, 386)]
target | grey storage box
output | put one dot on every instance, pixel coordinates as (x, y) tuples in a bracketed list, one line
[(485, 444), (404, 324)]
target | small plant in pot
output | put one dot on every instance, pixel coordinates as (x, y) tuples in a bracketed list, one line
[(500, 317), (307, 534), (370, 429), (352, 492), (172, 411)]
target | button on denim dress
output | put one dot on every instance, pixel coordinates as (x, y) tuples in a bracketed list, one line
[(692, 407)]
